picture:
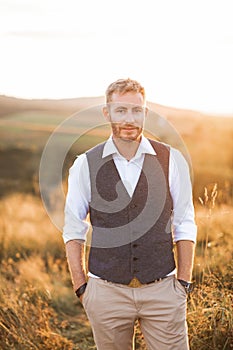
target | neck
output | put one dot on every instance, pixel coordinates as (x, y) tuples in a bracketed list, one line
[(127, 148)]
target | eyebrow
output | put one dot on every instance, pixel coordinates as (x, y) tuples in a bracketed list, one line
[(133, 107)]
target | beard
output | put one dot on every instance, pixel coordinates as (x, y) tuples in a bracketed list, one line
[(126, 132)]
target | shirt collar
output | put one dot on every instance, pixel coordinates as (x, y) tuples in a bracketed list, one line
[(145, 147)]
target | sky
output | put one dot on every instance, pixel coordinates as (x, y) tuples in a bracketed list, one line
[(180, 50)]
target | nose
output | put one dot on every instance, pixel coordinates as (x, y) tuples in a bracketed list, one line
[(129, 118)]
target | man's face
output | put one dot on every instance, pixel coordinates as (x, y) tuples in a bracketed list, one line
[(126, 114)]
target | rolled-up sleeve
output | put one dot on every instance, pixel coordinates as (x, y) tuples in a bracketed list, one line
[(184, 227), (77, 201)]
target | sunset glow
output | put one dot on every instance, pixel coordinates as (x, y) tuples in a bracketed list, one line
[(181, 51)]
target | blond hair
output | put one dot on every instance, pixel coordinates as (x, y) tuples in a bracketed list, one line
[(122, 86)]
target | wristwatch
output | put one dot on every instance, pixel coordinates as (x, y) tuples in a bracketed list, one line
[(188, 286), (81, 290)]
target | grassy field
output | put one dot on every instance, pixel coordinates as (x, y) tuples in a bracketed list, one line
[(38, 309)]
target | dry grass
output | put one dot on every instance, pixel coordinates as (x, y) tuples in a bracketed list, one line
[(210, 311), (39, 311), (31, 262)]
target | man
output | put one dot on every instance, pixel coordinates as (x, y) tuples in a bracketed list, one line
[(138, 195)]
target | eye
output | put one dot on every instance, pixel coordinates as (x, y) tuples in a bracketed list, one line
[(138, 110), (121, 110)]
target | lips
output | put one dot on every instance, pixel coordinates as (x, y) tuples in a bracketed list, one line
[(129, 128)]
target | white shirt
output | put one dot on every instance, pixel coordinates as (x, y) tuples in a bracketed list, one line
[(79, 190)]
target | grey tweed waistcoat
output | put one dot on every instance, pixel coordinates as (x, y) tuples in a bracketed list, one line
[(131, 236)]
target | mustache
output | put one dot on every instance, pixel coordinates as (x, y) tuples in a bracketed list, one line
[(126, 125)]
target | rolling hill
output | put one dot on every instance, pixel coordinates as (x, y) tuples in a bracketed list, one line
[(26, 125)]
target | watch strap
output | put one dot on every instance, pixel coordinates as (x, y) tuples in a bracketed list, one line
[(81, 290), (188, 286)]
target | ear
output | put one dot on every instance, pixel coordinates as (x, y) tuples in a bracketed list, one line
[(106, 113)]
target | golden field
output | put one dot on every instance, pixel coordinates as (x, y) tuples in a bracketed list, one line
[(38, 309)]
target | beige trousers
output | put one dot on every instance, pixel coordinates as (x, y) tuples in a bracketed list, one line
[(160, 308)]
